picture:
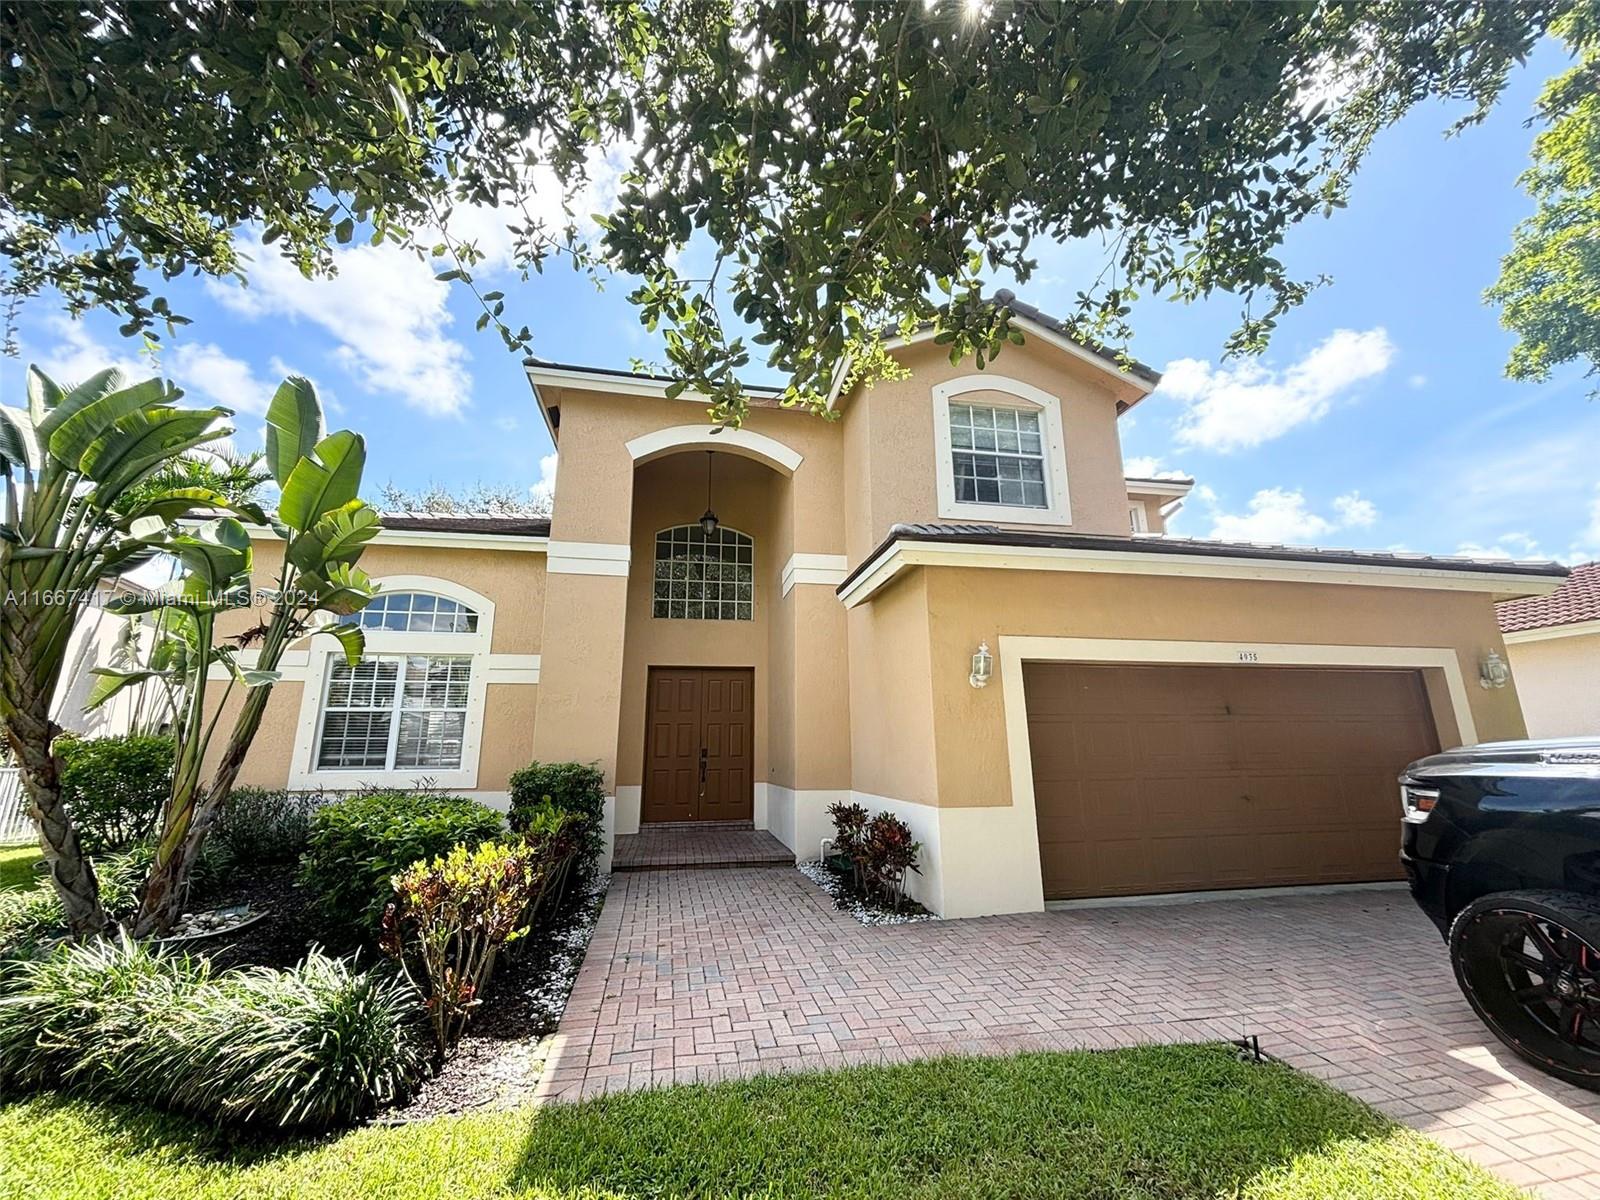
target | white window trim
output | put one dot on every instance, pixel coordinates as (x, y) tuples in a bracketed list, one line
[(1015, 394), (304, 774), (1138, 518)]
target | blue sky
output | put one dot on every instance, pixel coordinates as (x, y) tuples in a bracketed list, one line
[(1380, 417)]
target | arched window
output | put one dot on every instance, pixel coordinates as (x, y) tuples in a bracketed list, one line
[(704, 577), (415, 612)]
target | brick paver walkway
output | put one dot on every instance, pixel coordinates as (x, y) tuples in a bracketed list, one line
[(700, 844), (706, 974)]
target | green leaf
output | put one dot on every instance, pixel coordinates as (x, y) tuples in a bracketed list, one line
[(141, 441), (17, 447), (351, 638), (338, 536), (294, 426), (326, 479), (73, 436), (256, 678), (101, 383), (44, 394), (109, 681)]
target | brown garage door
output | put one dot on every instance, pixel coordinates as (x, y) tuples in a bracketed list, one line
[(1174, 779)]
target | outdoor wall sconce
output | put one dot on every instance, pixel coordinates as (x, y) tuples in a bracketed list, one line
[(1493, 672), (982, 666)]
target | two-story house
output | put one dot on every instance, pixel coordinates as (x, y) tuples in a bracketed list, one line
[(947, 602)]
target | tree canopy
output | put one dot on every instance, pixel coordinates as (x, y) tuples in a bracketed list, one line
[(1549, 285), (850, 166)]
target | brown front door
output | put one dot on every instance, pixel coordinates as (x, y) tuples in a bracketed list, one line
[(699, 726), (1173, 779)]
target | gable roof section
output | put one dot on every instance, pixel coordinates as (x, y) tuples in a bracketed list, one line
[(1575, 602), (992, 546)]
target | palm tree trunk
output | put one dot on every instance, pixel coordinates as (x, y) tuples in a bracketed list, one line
[(168, 885), (29, 731)]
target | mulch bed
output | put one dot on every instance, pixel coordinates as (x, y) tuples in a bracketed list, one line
[(498, 1063), (869, 910)]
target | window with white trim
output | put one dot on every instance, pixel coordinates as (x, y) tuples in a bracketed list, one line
[(997, 456), (702, 576), (414, 612), (1000, 452), (395, 712), (1138, 519)]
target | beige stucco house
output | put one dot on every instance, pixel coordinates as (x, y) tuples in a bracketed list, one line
[(1161, 715), (1554, 645)]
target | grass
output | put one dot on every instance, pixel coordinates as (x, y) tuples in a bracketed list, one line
[(1174, 1123), (16, 866)]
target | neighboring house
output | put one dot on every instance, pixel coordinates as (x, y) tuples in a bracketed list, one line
[(1554, 645), (101, 639), (1163, 714)]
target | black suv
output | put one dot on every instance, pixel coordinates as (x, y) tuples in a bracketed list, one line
[(1501, 843)]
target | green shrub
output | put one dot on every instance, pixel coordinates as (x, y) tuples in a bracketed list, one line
[(319, 1045), (576, 788), (30, 917), (449, 920), (359, 843), (265, 825), (114, 787)]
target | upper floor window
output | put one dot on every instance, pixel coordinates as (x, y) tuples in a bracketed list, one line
[(415, 612), (1001, 455), (997, 456), (704, 577)]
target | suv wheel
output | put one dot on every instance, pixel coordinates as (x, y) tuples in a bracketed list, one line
[(1529, 964)]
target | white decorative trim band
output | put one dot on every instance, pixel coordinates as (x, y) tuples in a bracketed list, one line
[(588, 558), (743, 442), (512, 668), (814, 568), (1551, 632), (900, 555)]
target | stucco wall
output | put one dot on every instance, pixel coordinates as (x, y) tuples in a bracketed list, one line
[(513, 580), (1559, 682), (891, 452), (672, 491), (967, 605)]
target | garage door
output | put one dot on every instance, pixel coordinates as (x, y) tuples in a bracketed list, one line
[(1170, 779)]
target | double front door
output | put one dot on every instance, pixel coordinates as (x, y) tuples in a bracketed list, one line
[(699, 725)]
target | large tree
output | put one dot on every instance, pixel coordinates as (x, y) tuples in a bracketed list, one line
[(1549, 285), (843, 163)]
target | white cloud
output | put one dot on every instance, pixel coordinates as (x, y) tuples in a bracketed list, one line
[(207, 374), (76, 355), (385, 309), (1353, 510), (1507, 545), (545, 490), (1280, 516), (541, 204), (506, 424), (1417, 381), (1148, 466), (1234, 408)]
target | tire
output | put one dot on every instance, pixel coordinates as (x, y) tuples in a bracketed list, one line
[(1529, 964)]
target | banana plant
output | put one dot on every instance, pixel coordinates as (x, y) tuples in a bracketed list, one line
[(68, 462), (324, 528)]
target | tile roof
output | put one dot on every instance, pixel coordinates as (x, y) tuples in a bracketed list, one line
[(994, 535), (1578, 599), (1008, 298), (466, 523)]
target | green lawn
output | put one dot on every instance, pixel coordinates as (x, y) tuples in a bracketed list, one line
[(1170, 1123), (16, 866)]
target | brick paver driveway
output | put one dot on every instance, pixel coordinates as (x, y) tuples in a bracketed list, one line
[(708, 973)]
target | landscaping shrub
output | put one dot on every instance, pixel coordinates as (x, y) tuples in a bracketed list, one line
[(449, 920), (576, 788), (885, 853), (357, 844), (114, 787), (265, 825), (30, 917), (319, 1045), (849, 823)]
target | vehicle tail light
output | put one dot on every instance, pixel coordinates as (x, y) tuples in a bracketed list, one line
[(1417, 802)]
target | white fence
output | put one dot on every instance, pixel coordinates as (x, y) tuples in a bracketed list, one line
[(14, 824)]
